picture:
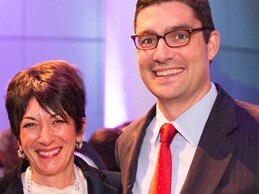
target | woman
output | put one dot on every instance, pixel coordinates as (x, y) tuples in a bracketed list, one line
[(46, 110)]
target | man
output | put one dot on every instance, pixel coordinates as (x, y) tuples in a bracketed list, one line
[(216, 147)]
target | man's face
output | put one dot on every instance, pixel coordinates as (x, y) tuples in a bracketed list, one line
[(175, 75)]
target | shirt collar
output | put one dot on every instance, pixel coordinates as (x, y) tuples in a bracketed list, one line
[(189, 124)]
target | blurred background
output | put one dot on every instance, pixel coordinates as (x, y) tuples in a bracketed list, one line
[(95, 35)]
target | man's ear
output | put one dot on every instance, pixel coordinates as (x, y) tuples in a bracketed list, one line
[(213, 44)]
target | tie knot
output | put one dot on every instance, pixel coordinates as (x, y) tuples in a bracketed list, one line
[(167, 133)]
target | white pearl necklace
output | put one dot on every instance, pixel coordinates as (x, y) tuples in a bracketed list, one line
[(29, 184)]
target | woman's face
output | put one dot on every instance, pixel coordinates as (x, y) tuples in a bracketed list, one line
[(48, 142)]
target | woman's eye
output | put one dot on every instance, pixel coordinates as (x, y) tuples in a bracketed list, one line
[(59, 121), (29, 125)]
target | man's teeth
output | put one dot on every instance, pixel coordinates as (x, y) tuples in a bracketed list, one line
[(168, 72), (49, 153)]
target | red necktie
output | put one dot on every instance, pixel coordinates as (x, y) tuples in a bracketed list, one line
[(161, 182)]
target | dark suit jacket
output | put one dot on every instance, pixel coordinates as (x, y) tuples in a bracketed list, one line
[(98, 182), (227, 157), (89, 152)]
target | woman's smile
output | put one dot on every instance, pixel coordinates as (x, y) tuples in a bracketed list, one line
[(50, 153)]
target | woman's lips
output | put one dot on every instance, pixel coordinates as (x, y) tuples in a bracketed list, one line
[(49, 153)]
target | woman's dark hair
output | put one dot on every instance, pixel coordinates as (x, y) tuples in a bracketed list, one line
[(56, 85), (201, 10)]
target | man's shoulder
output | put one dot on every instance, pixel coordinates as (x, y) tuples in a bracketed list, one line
[(250, 108), (133, 134), (139, 123), (225, 101), (133, 125)]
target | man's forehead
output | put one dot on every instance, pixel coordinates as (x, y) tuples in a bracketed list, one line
[(162, 19)]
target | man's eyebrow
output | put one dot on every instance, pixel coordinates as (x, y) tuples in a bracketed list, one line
[(147, 31), (169, 29), (179, 27)]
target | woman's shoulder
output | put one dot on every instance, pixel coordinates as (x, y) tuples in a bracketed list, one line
[(110, 181), (113, 179), (11, 183)]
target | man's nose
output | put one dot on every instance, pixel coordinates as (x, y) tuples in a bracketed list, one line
[(163, 52)]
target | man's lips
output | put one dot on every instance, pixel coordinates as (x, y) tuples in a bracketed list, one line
[(169, 72)]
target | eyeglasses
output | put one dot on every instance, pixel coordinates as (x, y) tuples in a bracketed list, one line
[(173, 39)]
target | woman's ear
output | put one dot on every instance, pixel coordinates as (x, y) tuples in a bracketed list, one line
[(20, 151), (19, 144), (80, 135), (213, 44)]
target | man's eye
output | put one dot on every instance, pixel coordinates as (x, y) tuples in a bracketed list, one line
[(147, 40), (177, 37), (181, 36)]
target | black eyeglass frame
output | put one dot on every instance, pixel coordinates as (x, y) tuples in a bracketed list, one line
[(190, 31)]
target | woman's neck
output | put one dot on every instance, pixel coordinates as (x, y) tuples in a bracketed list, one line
[(65, 178)]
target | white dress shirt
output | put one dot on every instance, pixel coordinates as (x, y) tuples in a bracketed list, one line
[(189, 126)]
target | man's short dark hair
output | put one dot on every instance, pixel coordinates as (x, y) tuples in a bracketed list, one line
[(201, 9)]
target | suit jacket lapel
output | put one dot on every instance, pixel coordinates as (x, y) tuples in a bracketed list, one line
[(135, 141), (215, 148)]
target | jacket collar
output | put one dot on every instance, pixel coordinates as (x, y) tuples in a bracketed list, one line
[(96, 180), (215, 148)]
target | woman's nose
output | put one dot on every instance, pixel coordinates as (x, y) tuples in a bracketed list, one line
[(46, 135)]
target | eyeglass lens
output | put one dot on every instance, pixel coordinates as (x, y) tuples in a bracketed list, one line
[(173, 39)]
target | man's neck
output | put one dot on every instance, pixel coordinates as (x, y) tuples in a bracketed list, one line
[(173, 108)]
